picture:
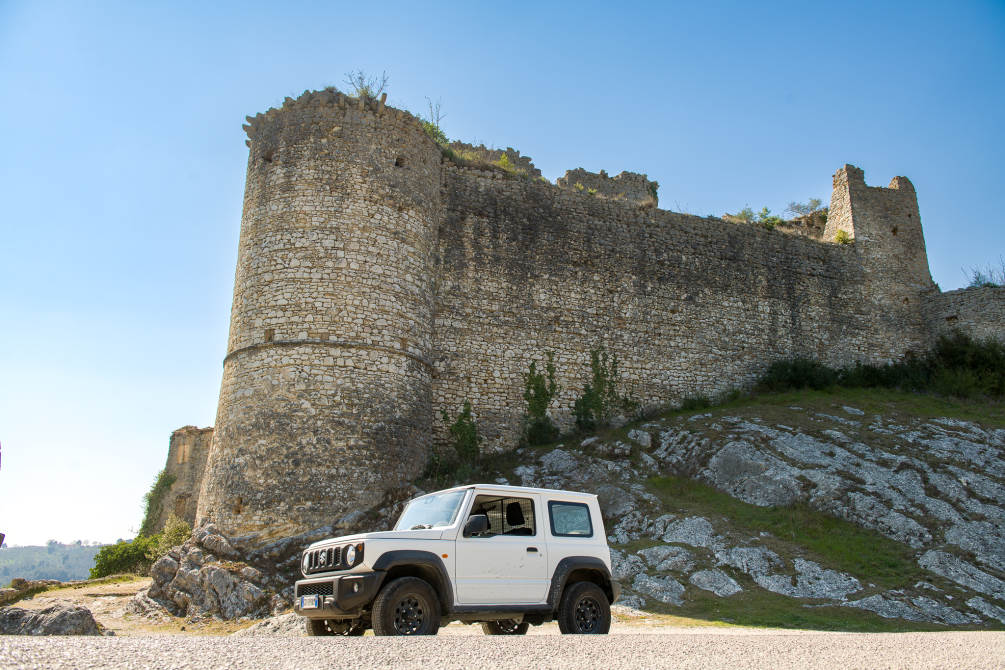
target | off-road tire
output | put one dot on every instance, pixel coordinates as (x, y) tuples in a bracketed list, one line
[(406, 606), (505, 627), (318, 627), (584, 610)]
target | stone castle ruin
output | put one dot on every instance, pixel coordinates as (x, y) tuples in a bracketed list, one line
[(379, 282)]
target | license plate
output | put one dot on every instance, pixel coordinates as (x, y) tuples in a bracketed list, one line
[(309, 602)]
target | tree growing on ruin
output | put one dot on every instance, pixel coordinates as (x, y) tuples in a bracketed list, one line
[(601, 400), (363, 85)]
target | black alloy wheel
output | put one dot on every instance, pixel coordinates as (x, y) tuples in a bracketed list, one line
[(406, 606), (584, 610)]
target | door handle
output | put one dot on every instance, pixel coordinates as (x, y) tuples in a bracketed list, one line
[(532, 549)]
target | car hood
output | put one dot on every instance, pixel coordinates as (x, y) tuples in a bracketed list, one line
[(418, 534)]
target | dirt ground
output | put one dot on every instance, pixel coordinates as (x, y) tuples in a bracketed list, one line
[(109, 605)]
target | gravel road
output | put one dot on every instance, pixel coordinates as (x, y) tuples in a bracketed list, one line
[(630, 650)]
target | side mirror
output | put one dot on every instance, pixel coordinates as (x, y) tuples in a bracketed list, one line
[(476, 523)]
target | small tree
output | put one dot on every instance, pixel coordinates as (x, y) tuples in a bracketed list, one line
[(804, 208), (539, 389), (365, 86), (601, 399), (990, 277), (432, 124)]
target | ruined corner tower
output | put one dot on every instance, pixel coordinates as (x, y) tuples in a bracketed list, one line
[(325, 401), (885, 225)]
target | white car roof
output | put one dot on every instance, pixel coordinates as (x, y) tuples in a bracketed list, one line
[(506, 488)]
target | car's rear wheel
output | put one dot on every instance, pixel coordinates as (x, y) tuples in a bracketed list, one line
[(584, 610), (505, 627), (318, 627), (406, 606)]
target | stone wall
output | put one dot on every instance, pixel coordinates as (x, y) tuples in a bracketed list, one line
[(690, 305), (628, 186), (186, 462), (978, 312), (378, 284)]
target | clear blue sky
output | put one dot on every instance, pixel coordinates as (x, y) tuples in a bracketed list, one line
[(123, 162)]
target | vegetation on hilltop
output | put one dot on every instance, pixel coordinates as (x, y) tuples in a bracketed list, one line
[(53, 561)]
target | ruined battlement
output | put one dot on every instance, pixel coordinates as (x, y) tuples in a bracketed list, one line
[(380, 282), (628, 186)]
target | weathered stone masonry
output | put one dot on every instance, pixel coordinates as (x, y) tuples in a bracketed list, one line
[(186, 462), (378, 284)]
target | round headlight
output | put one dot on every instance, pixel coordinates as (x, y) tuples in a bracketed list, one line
[(304, 562), (350, 554)]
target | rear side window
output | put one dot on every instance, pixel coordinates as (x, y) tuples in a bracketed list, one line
[(569, 519)]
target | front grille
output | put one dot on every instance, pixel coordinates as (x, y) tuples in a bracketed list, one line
[(324, 559), (315, 589)]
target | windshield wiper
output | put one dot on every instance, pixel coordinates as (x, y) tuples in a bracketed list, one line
[(420, 526)]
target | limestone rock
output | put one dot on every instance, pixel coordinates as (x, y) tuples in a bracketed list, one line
[(53, 620), (716, 581), (284, 625), (963, 573), (664, 589), (751, 560), (695, 531), (668, 558), (625, 566), (811, 581), (986, 608)]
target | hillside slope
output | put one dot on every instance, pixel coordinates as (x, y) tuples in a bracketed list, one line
[(854, 510)]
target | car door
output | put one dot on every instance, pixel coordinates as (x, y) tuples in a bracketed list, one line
[(508, 563)]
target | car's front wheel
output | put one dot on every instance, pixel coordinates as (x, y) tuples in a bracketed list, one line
[(406, 606), (584, 610), (505, 627)]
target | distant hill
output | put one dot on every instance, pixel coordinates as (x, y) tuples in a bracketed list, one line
[(53, 561)]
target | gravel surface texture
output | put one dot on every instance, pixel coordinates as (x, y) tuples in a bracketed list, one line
[(633, 651)]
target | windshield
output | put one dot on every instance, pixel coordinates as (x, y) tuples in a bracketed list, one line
[(432, 511)]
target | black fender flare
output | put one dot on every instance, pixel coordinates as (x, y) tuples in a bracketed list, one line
[(571, 564), (428, 565)]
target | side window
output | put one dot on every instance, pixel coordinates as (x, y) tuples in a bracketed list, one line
[(569, 519), (507, 516)]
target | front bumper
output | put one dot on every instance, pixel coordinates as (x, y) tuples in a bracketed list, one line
[(342, 597)]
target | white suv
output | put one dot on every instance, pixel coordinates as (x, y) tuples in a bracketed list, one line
[(503, 556)]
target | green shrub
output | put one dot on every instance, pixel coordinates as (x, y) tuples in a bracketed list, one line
[(591, 191), (600, 399), (176, 531), (435, 132), (154, 501), (123, 557), (539, 389), (957, 366), (695, 402), (578, 186), (842, 237), (798, 373)]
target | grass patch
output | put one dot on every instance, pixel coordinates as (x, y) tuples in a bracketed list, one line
[(841, 544), (763, 609)]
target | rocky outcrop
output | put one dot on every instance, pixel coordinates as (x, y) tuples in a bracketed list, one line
[(21, 588), (213, 575), (53, 620), (937, 486)]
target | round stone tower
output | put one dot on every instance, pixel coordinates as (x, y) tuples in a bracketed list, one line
[(325, 401)]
